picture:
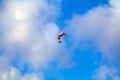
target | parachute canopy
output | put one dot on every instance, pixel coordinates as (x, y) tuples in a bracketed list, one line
[(60, 35)]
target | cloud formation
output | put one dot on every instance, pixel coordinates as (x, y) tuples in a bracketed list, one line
[(14, 74), (28, 33), (105, 73), (100, 24)]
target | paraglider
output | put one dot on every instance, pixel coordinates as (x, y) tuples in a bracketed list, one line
[(60, 35)]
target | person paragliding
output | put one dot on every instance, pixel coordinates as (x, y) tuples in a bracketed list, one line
[(60, 35)]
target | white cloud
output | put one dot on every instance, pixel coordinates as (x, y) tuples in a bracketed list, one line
[(28, 30), (14, 74), (28, 33), (29, 26), (106, 73), (101, 24), (43, 51)]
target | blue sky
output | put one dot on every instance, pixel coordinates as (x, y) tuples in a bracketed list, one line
[(29, 49)]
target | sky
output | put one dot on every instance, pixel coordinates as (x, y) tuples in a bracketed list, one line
[(29, 49)]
